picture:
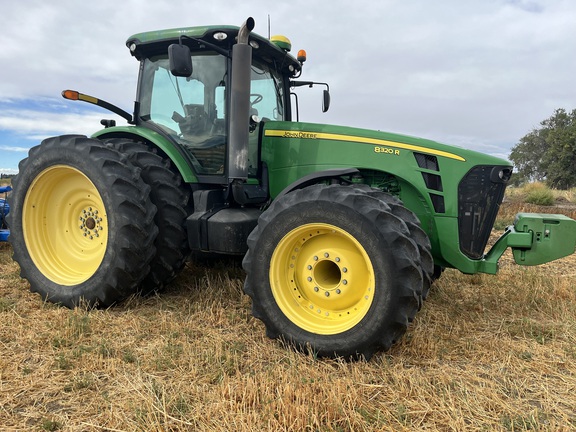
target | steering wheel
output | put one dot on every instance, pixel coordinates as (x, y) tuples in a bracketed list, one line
[(258, 98)]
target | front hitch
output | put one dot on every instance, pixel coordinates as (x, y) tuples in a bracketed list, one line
[(535, 239)]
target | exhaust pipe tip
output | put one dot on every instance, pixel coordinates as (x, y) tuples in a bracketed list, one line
[(250, 23), (245, 30)]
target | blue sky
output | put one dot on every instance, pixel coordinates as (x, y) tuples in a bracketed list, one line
[(478, 74), (24, 123)]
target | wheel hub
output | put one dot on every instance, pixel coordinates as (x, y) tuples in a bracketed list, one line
[(327, 277), (322, 278), (90, 223)]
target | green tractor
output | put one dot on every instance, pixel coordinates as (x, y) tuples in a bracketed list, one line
[(342, 229)]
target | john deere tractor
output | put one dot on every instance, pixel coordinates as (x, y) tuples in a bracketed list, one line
[(342, 229)]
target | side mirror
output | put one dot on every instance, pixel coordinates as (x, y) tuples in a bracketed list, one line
[(326, 101), (180, 60)]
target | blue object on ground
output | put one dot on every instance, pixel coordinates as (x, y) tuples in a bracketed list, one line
[(4, 209)]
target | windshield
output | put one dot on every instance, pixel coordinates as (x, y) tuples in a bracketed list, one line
[(267, 93), (193, 110)]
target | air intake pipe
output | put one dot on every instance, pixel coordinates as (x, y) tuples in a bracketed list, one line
[(240, 105)]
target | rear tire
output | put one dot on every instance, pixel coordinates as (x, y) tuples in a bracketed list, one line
[(332, 271), (171, 200), (82, 224)]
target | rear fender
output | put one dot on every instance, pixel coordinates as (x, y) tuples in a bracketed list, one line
[(177, 156)]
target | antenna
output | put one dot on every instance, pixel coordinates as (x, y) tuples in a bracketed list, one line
[(268, 26)]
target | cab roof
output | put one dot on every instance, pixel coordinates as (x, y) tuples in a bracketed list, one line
[(147, 44)]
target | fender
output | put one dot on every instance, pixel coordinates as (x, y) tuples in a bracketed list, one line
[(180, 160), (316, 177)]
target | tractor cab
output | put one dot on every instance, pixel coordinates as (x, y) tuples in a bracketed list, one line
[(185, 93)]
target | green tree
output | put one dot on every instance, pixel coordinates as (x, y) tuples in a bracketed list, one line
[(549, 152)]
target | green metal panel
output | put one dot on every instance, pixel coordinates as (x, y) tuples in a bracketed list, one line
[(296, 149), (156, 139), (292, 150), (445, 243)]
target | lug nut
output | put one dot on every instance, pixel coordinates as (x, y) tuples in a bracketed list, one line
[(338, 291), (316, 289), (344, 269), (309, 267), (337, 259), (327, 294), (309, 279), (326, 255), (344, 282)]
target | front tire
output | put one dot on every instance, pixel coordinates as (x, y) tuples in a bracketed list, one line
[(82, 223), (331, 270), (417, 234)]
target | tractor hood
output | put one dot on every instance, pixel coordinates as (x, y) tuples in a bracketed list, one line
[(372, 144)]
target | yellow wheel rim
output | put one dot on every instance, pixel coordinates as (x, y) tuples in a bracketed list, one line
[(322, 278), (64, 225)]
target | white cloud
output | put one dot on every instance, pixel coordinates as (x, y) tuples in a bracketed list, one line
[(33, 124), (14, 149)]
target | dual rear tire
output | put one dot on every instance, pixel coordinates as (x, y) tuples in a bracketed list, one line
[(83, 223)]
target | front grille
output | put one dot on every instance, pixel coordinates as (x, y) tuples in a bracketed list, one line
[(479, 196)]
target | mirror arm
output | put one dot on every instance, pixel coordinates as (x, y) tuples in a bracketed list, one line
[(326, 95), (308, 83)]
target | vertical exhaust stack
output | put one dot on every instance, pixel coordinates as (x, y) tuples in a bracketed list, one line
[(240, 105)]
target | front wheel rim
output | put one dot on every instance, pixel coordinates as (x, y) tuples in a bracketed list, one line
[(322, 278), (65, 225)]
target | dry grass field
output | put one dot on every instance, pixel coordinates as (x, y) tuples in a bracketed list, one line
[(485, 353)]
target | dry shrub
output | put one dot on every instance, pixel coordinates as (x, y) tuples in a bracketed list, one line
[(538, 193), (532, 193), (540, 196)]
